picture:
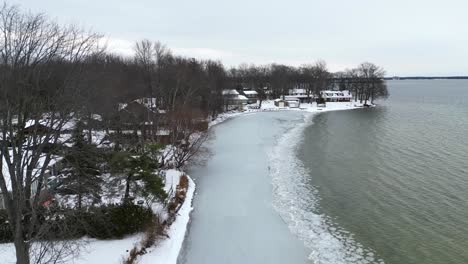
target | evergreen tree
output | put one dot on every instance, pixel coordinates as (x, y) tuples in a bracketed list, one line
[(139, 168), (81, 176)]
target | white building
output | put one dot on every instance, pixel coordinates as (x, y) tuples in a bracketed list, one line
[(336, 96), (251, 95), (293, 102), (234, 100), (288, 101), (300, 94)]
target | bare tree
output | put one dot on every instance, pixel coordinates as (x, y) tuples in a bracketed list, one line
[(40, 67), (187, 135), (372, 83), (144, 59), (280, 79)]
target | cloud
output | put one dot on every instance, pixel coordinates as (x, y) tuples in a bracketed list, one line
[(204, 53), (126, 48), (118, 46)]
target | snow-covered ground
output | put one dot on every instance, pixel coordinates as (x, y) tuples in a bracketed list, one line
[(93, 252), (168, 250), (330, 106), (269, 105), (114, 251)]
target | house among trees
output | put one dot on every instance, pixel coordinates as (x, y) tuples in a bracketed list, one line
[(336, 96), (139, 107), (234, 100), (142, 116), (252, 96), (301, 94), (143, 111)]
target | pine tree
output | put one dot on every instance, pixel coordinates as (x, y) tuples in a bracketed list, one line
[(142, 168), (81, 176)]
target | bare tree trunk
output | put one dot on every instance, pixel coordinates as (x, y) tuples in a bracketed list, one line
[(21, 246), (90, 129), (127, 188)]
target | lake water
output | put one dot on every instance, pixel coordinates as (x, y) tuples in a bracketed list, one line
[(381, 185), (396, 176)]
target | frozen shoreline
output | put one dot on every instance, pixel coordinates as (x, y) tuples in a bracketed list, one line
[(168, 250), (268, 106), (234, 221), (193, 253)]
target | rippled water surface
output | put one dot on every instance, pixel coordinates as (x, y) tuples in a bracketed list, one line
[(395, 178)]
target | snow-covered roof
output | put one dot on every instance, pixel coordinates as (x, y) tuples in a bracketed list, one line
[(250, 92), (297, 91), (230, 92), (149, 102), (96, 117), (163, 132), (336, 94), (241, 97), (57, 123)]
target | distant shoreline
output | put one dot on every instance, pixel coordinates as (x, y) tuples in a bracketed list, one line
[(427, 78)]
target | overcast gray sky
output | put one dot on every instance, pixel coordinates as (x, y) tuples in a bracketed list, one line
[(406, 37)]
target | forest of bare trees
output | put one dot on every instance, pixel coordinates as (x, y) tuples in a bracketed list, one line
[(52, 75)]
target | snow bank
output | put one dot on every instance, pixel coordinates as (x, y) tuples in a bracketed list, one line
[(107, 251), (167, 250)]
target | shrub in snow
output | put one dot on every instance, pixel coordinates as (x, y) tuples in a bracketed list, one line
[(128, 219), (5, 231), (113, 221), (106, 222)]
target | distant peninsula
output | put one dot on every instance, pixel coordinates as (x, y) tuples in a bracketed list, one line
[(427, 78)]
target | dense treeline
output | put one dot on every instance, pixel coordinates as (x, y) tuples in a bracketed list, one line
[(53, 75), (365, 81), (187, 83)]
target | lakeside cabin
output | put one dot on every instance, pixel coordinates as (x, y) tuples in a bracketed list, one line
[(336, 96), (300, 94), (234, 100), (252, 96)]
